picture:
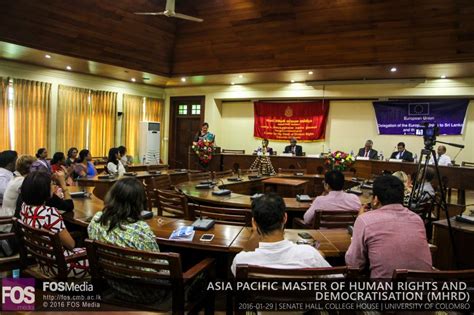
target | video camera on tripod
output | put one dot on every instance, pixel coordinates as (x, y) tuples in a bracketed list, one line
[(429, 132)]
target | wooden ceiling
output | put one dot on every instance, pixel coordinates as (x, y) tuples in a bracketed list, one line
[(338, 38)]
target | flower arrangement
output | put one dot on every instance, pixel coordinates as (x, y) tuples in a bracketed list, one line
[(204, 149), (339, 161)]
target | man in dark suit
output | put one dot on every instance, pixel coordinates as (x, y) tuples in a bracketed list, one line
[(367, 151), (293, 148), (402, 154)]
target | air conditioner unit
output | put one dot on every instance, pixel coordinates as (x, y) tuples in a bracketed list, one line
[(149, 141)]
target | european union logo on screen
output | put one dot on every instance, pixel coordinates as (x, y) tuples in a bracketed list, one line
[(418, 109), (18, 294)]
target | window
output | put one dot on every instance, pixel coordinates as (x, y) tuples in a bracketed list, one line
[(183, 109), (196, 109)]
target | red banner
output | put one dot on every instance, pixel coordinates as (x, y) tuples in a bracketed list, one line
[(305, 121)]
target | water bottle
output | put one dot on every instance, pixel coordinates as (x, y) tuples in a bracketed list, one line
[(352, 152), (415, 158), (381, 156), (329, 150), (144, 159)]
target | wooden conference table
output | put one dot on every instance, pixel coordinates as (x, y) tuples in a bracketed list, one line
[(455, 176), (228, 239)]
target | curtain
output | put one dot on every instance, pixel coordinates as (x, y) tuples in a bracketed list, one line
[(153, 109), (31, 103), (4, 129), (103, 121), (132, 114), (73, 112)]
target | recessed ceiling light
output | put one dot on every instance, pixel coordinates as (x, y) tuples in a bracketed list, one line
[(69, 68), (393, 69), (47, 56), (133, 79), (292, 81), (232, 83), (310, 72), (241, 76), (183, 79), (443, 76)]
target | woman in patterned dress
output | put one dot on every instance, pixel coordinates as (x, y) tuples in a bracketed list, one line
[(119, 224), (35, 191)]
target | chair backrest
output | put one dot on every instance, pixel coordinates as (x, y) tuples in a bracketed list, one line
[(253, 272), (467, 164), (244, 272), (44, 246), (404, 274), (199, 176), (222, 174), (230, 151), (172, 203), (109, 262), (230, 216), (292, 170), (334, 218), (159, 182)]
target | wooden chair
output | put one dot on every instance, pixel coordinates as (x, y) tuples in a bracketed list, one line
[(404, 274), (230, 151), (171, 203), (199, 176), (232, 216), (149, 271), (328, 219), (222, 174), (292, 170), (246, 272), (152, 184), (11, 262), (46, 248)]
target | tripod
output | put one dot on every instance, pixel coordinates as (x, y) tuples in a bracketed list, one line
[(418, 195)]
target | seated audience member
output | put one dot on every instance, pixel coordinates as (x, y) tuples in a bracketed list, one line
[(12, 191), (401, 175), (402, 154), (293, 148), (443, 159), (84, 167), (367, 151), (41, 164), (58, 163), (36, 191), (264, 148), (7, 167), (389, 237), (114, 165), (428, 191), (123, 155), (71, 156), (268, 223), (333, 198), (119, 224), (60, 198)]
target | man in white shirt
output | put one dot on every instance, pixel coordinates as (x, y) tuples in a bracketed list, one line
[(7, 167), (268, 223), (443, 159)]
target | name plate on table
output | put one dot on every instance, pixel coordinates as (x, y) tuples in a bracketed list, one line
[(395, 160), (362, 158), (286, 154), (313, 155)]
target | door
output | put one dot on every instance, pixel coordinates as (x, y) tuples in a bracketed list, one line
[(187, 115)]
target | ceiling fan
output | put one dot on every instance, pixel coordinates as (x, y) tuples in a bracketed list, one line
[(170, 12)]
